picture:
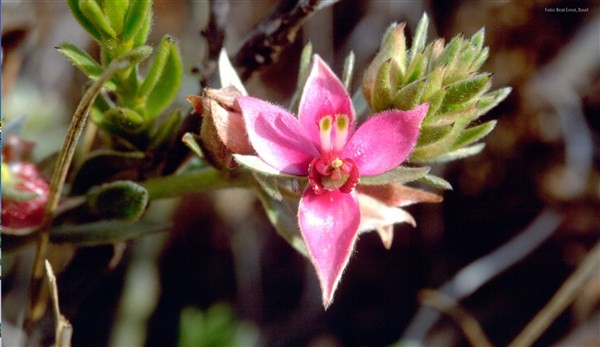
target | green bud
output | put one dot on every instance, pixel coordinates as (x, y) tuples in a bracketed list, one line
[(121, 119), (92, 11)]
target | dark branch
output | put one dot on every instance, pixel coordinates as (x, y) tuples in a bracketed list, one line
[(278, 30)]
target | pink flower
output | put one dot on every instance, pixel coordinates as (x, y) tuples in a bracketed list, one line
[(323, 144)]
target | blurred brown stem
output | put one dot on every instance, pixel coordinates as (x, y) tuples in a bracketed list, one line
[(561, 299)]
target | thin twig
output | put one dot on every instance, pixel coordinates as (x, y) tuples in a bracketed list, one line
[(469, 325), (277, 31), (63, 328), (561, 299), (59, 176), (479, 272)]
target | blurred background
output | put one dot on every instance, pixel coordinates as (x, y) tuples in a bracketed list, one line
[(222, 275)]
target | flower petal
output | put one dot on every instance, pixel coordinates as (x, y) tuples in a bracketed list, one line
[(323, 95), (385, 140), (329, 225), (277, 136), (376, 215)]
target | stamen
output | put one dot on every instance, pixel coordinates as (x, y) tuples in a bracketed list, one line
[(325, 126), (341, 131), (337, 163)]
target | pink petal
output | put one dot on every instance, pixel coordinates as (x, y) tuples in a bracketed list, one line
[(385, 140), (323, 95), (376, 215), (277, 136), (329, 225)]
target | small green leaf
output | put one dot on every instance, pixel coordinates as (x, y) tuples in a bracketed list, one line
[(462, 91), (436, 181), (92, 11), (118, 200), (477, 39), (474, 134), (104, 232), (83, 21), (409, 97), (383, 89), (491, 100), (155, 71), (435, 102), (81, 59), (284, 218), (191, 142), (460, 153), (418, 42), (428, 152), (400, 175), (136, 55), (269, 185), (434, 83), (115, 13), (481, 58), (104, 165), (255, 164), (449, 53), (134, 20), (416, 69), (166, 86), (144, 30), (122, 119)]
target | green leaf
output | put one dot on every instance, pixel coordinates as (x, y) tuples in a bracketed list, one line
[(157, 65), (436, 181), (400, 175), (102, 165), (416, 69), (269, 185), (92, 11), (255, 164), (136, 55), (460, 153), (409, 97), (115, 13), (83, 21), (81, 59), (474, 134), (491, 100), (449, 53), (122, 120), (285, 220), (166, 86), (481, 58), (118, 200), (104, 232), (190, 141), (418, 42), (144, 29), (383, 89), (134, 20), (428, 152), (462, 91), (477, 39)]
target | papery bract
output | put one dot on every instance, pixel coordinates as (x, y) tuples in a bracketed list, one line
[(323, 144)]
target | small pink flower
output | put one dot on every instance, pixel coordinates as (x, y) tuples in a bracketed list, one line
[(323, 144)]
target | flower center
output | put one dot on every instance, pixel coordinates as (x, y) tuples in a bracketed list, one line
[(327, 174)]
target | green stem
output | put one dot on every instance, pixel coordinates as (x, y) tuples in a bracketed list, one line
[(190, 182), (58, 180)]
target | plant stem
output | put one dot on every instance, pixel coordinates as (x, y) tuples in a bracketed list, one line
[(189, 182), (59, 176)]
